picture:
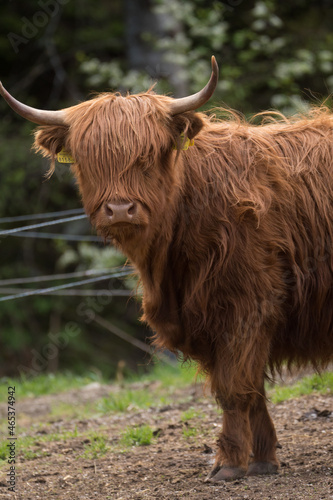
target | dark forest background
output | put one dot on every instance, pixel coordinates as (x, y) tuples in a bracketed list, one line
[(53, 53)]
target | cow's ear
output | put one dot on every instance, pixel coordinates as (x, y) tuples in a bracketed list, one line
[(189, 123), (50, 140)]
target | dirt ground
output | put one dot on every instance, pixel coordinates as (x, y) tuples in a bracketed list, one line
[(175, 465)]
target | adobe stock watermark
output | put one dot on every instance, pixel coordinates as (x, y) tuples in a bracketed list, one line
[(31, 27), (57, 341)]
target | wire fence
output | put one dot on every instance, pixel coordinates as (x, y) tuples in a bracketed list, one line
[(65, 289), (22, 218), (22, 231), (55, 277), (57, 236), (8, 232), (41, 291), (77, 293)]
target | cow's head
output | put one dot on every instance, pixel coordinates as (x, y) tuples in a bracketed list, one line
[(124, 152)]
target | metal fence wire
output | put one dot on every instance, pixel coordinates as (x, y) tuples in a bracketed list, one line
[(75, 214)]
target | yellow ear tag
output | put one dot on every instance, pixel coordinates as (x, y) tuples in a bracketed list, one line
[(186, 144), (64, 157)]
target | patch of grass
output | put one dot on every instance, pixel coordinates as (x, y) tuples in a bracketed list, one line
[(307, 385), (168, 378), (125, 400), (47, 384), (54, 436), (190, 414), (137, 436), (96, 448), (69, 411), (31, 455), (80, 410), (28, 446), (3, 450), (178, 375), (74, 433), (189, 432)]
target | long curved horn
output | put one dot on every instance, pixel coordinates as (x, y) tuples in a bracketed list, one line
[(38, 116), (192, 102)]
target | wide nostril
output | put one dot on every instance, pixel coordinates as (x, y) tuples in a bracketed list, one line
[(131, 209), (108, 210), (120, 211)]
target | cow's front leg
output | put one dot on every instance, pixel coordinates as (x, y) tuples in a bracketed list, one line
[(235, 440)]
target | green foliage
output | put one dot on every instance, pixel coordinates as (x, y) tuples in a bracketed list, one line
[(32, 455), (112, 75), (96, 448), (173, 375), (204, 33), (125, 400), (190, 414), (307, 385), (48, 384), (165, 376), (3, 450), (189, 432), (154, 388), (87, 256), (266, 55), (137, 436)]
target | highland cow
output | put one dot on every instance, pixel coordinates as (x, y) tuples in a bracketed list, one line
[(230, 227)]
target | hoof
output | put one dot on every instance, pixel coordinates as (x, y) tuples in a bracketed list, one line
[(212, 473), (260, 468), (225, 473)]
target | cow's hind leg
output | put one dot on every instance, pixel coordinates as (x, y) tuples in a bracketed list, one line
[(264, 439)]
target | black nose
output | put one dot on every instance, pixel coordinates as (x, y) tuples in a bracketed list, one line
[(120, 211)]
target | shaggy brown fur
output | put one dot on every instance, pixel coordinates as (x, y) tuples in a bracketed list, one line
[(233, 243)]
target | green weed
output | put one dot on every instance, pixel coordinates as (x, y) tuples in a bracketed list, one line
[(190, 414), (189, 432), (47, 384), (28, 446), (4, 450), (307, 385), (168, 375), (125, 400), (31, 455), (96, 448), (178, 375), (137, 436)]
